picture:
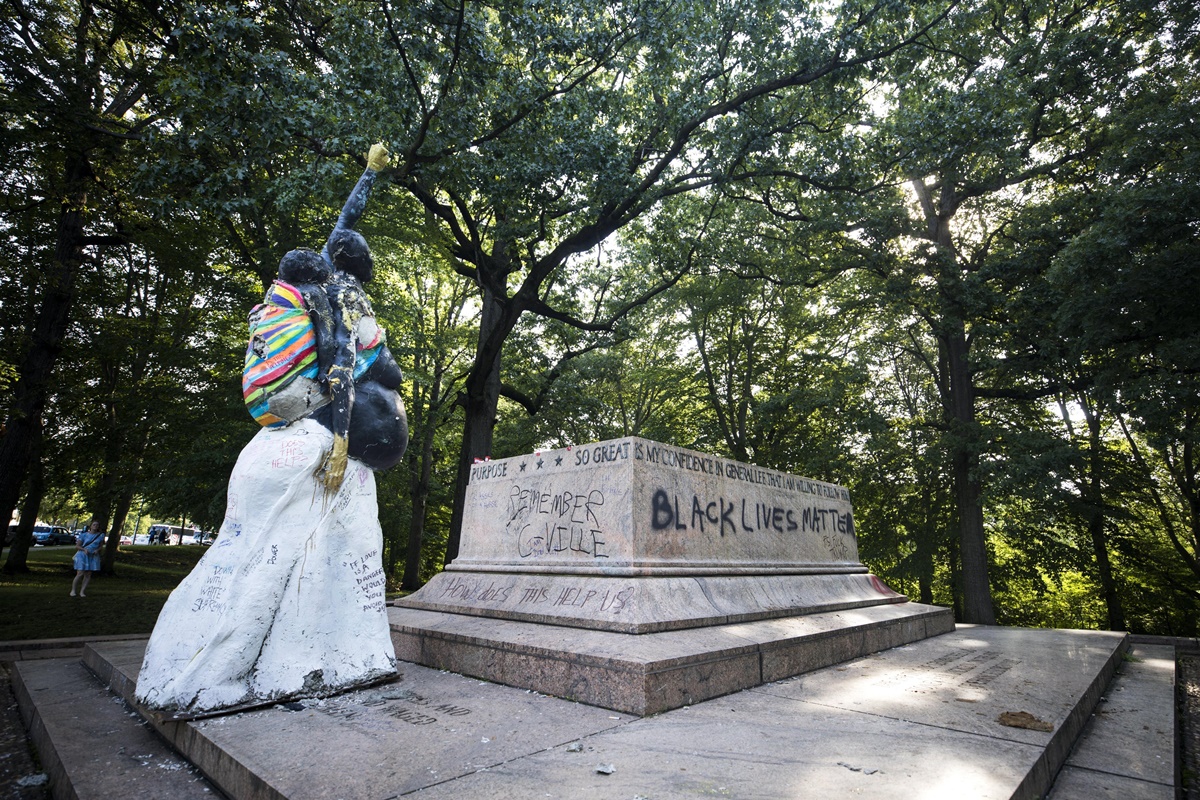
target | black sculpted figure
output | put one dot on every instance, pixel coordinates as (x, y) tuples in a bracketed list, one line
[(364, 412)]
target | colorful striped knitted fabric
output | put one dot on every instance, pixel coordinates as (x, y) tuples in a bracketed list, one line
[(283, 346)]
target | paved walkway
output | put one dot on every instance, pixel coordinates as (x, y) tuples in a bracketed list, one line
[(1086, 769), (21, 775), (1126, 749)]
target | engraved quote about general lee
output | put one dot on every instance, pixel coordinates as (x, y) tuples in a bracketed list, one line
[(546, 519)]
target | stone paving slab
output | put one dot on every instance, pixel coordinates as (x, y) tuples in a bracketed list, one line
[(964, 681), (1015, 684), (91, 744), (754, 745), (428, 727), (915, 721), (1127, 747), (9, 656), (1086, 784), (30, 649)]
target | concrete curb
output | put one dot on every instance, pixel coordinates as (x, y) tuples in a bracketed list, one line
[(1183, 645), (33, 649)]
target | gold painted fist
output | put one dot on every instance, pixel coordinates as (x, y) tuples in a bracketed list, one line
[(377, 157)]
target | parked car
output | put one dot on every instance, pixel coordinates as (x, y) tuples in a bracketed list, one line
[(49, 535)]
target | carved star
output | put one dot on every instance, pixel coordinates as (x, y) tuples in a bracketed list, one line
[(558, 461), (522, 466), (540, 462)]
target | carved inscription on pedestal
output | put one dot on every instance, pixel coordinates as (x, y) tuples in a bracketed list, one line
[(632, 500), (528, 595), (380, 713)]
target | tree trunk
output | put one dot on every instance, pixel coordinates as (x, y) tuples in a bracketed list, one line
[(421, 479), (925, 547), (977, 594), (120, 513), (1097, 519), (124, 499), (480, 400), (955, 581), (114, 443), (33, 381), (958, 398), (103, 503), (1188, 483), (18, 554), (925, 588), (416, 529)]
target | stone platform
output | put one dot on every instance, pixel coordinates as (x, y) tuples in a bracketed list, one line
[(921, 720), (650, 603), (642, 577), (655, 672)]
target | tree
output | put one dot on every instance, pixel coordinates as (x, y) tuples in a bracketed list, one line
[(1093, 322), (76, 78), (163, 329), (540, 132), (900, 481), (423, 304), (530, 134), (1135, 326), (1017, 92)]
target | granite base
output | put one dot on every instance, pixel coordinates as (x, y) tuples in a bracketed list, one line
[(654, 672)]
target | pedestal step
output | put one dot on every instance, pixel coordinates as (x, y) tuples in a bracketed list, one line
[(655, 672)]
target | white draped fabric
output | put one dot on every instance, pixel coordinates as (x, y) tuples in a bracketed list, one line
[(289, 601)]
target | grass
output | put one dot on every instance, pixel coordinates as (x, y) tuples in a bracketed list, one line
[(36, 606)]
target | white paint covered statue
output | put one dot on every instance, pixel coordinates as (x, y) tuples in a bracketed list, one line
[(289, 601)]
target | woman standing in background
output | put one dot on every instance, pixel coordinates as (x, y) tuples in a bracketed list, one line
[(87, 557)]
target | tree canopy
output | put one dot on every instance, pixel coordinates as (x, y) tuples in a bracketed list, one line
[(942, 252)]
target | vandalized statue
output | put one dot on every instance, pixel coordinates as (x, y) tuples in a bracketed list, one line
[(289, 602)]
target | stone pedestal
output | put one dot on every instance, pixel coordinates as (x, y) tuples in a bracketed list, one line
[(638, 538)]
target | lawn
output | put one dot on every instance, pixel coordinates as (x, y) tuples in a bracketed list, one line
[(36, 605)]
